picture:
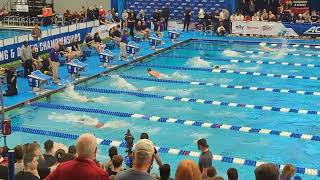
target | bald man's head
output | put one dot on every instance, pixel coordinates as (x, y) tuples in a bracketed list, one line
[(87, 146)]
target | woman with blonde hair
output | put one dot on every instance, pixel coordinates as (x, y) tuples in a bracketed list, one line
[(287, 172), (188, 170)]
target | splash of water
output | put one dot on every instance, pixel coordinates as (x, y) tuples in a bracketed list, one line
[(121, 83), (197, 62), (71, 94), (231, 53), (179, 75)]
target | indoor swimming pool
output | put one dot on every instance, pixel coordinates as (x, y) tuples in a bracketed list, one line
[(252, 102), (10, 33)]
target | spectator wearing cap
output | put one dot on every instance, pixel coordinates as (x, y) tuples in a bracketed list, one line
[(30, 168), (84, 166), (49, 154), (267, 172), (155, 156), (232, 174), (143, 157), (205, 159)]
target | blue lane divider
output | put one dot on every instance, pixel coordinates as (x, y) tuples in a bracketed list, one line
[(199, 101), (202, 124), (252, 88), (223, 71), (242, 61), (251, 52), (164, 150)]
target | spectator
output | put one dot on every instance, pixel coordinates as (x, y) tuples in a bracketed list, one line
[(112, 152), (252, 7), (95, 12), (124, 19), (234, 17), (255, 17), (187, 19), (115, 17), (123, 45), (156, 156), (300, 19), (83, 12), (116, 165), (18, 152), (54, 61), (11, 76), (156, 18), (314, 18), (36, 32), (36, 59), (221, 30), (205, 159), (73, 151), (165, 172), (43, 168), (131, 23), (292, 17), (83, 167), (265, 15), (218, 178), (166, 15), (215, 19), (141, 15), (306, 16), (267, 172), (272, 17), (109, 17), (232, 174), (287, 172), (143, 155), (201, 16), (67, 16), (102, 12), (211, 173), (188, 170), (247, 17), (26, 56), (90, 15), (61, 156), (48, 156), (30, 168)]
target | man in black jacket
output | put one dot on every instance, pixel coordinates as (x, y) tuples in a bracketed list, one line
[(166, 15)]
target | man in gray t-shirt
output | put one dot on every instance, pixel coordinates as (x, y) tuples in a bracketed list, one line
[(143, 157), (205, 159)]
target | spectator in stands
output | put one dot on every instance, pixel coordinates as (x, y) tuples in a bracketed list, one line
[(287, 172), (3, 13), (314, 18), (156, 156), (30, 168), (116, 165), (102, 12), (255, 17), (112, 152), (54, 62), (90, 15), (221, 30), (215, 19), (73, 151), (109, 17), (187, 19), (95, 12), (247, 17), (164, 172), (267, 172), (49, 155), (36, 32), (166, 15), (292, 17), (272, 17), (264, 15), (11, 76), (18, 152), (26, 57), (143, 156), (224, 15), (124, 23), (131, 23), (252, 7), (188, 170), (240, 17), (103, 21), (205, 159), (141, 16), (156, 18), (115, 17), (300, 19), (83, 12), (233, 17), (61, 156), (211, 173), (43, 168), (201, 15), (306, 16), (67, 16), (232, 174), (83, 167)]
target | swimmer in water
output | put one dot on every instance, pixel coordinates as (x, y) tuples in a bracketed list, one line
[(84, 121), (267, 49), (155, 74)]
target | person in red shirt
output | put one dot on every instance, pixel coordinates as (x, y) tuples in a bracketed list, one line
[(102, 12), (84, 167)]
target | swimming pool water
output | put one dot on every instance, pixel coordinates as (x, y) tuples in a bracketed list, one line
[(259, 147), (5, 33)]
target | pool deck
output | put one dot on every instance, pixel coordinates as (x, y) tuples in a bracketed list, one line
[(94, 68)]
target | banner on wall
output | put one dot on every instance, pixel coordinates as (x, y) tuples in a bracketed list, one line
[(12, 52), (261, 28)]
